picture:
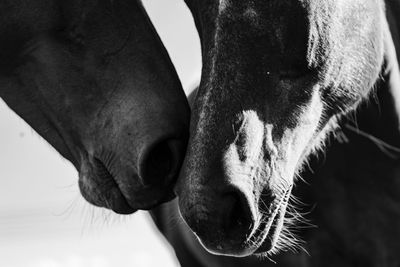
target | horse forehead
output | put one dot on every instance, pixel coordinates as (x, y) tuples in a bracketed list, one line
[(269, 8), (274, 18)]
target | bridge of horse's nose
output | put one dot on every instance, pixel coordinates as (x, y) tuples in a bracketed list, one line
[(160, 162)]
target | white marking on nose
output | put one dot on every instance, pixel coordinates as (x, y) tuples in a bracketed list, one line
[(222, 5), (250, 13), (248, 143), (253, 130), (270, 147), (242, 170)]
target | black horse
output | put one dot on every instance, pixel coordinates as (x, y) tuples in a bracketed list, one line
[(93, 78), (277, 77)]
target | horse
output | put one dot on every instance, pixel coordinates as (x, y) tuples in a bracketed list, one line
[(94, 79), (280, 78)]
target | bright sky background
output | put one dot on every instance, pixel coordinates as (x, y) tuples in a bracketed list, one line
[(44, 222)]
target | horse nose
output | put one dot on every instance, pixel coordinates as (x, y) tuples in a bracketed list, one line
[(161, 162)]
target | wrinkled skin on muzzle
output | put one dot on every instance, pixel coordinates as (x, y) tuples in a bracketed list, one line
[(93, 78), (276, 75)]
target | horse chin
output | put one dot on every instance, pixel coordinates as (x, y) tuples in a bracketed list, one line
[(110, 197), (99, 188)]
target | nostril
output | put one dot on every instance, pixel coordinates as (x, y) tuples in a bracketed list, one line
[(161, 164), (238, 217)]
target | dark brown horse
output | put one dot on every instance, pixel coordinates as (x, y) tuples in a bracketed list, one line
[(278, 76), (93, 78)]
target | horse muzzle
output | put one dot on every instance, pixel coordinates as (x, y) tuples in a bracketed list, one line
[(112, 181), (232, 220)]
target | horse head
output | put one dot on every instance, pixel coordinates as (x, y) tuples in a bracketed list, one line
[(276, 76), (93, 78)]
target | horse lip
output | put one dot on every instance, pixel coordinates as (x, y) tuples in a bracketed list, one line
[(270, 231), (274, 227), (263, 243), (110, 197), (120, 205), (149, 201)]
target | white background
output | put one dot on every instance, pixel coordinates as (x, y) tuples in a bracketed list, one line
[(44, 222)]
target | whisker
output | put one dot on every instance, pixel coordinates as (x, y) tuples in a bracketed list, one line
[(388, 149)]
